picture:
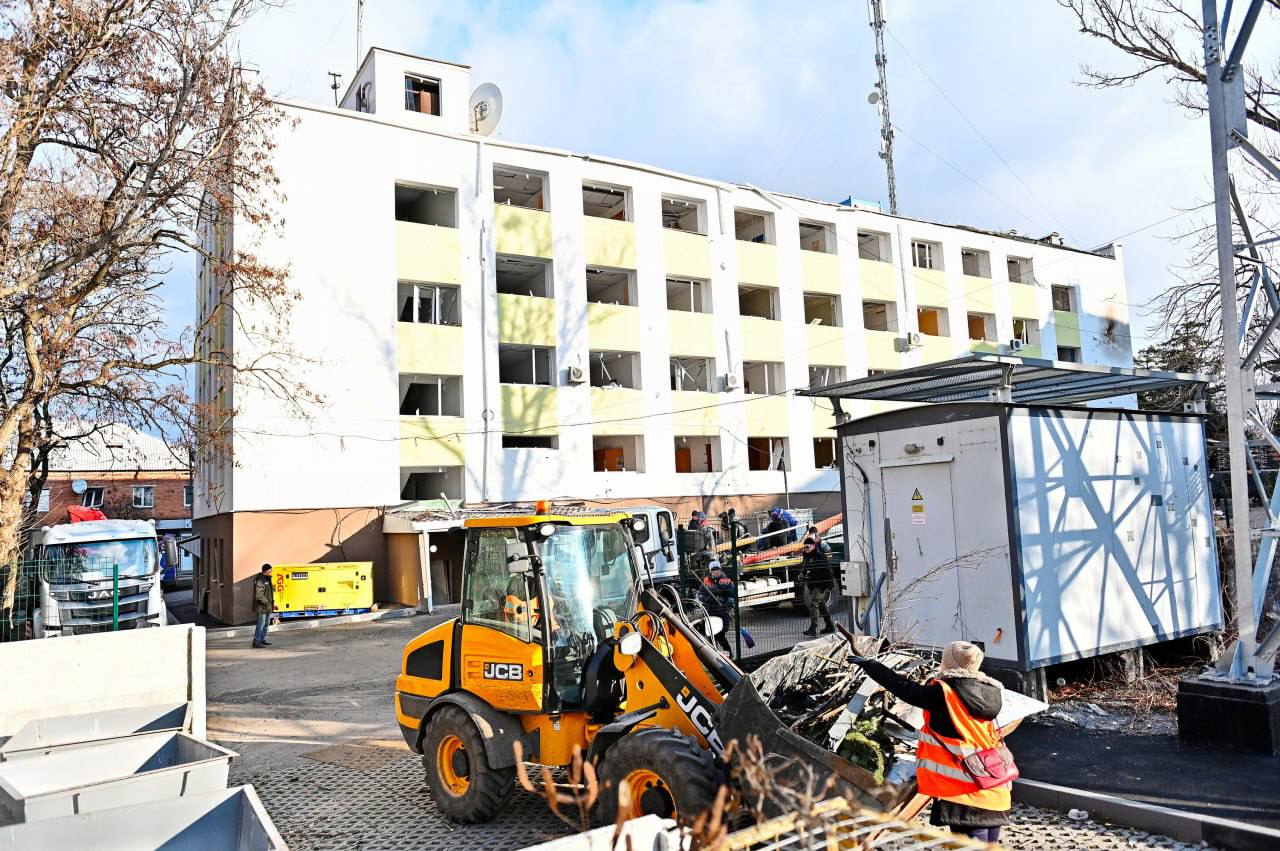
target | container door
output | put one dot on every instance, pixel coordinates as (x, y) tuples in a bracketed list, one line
[(924, 590)]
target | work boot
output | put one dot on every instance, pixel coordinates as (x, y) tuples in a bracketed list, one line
[(268, 643), (812, 630), (257, 644), (829, 627)]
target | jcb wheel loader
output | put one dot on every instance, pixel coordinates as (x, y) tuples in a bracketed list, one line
[(561, 646)]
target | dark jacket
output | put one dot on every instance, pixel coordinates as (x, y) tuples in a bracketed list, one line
[(264, 594), (816, 572)]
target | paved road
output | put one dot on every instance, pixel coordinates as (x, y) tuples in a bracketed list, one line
[(312, 719)]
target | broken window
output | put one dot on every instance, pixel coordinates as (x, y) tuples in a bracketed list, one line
[(767, 453), (879, 316), (683, 214), (824, 453), (606, 202), (822, 309), (144, 496), (1027, 331), (1064, 298), (693, 374), (429, 304), (430, 395), (688, 295), (750, 226), (525, 365), (529, 441), (522, 276), (426, 205), (618, 454), (926, 255), (821, 376), (421, 94), (874, 246), (1020, 271), (431, 483), (932, 321), (763, 377), (1070, 354), (975, 263), (697, 454), (519, 188), (761, 302), (816, 236), (92, 497), (982, 326), (611, 286), (615, 369)]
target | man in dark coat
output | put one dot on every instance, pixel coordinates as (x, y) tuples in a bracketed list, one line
[(818, 581), (264, 603)]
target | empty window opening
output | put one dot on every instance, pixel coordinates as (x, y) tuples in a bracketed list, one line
[(822, 309), (1027, 331), (750, 226), (421, 94), (688, 295), (768, 453), (821, 376), (611, 286), (692, 374), (93, 497), (520, 276), (683, 214), (824, 453), (698, 455), (606, 202), (932, 321), (429, 304), (615, 369), (1064, 298), (529, 441), (1020, 271), (525, 365), (430, 483), (1070, 354), (871, 372), (763, 377), (517, 188), (430, 395), (761, 302), (982, 326), (976, 264), (926, 255), (427, 205), (815, 236), (618, 454), (879, 316), (874, 246)]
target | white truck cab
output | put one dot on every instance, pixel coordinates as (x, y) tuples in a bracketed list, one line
[(664, 570)]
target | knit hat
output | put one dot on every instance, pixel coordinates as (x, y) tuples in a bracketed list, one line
[(962, 656)]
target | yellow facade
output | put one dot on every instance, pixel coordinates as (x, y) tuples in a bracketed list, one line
[(691, 334), (1024, 301), (930, 287), (1031, 352), (1067, 327), (688, 255), (614, 327), (527, 320), (609, 242), (762, 339), (824, 418), (529, 408), (428, 254), (768, 416), (825, 345), (879, 280), (979, 294), (517, 230), (433, 349), (984, 346), (881, 350), (936, 348), (820, 272), (757, 263), (431, 441), (617, 410), (695, 413)]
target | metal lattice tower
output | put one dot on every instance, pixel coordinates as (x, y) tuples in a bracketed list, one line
[(882, 87)]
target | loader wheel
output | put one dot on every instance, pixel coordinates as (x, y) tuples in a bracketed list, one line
[(465, 787), (667, 774)]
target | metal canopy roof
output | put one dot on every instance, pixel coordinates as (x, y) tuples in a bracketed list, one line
[(1030, 381)]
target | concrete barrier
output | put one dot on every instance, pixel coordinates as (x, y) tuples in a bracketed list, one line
[(73, 675)]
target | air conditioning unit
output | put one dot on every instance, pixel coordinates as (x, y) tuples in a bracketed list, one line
[(576, 375), (731, 381), (911, 341), (1016, 345)]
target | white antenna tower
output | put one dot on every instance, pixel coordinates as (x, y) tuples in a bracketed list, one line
[(359, 32), (880, 98)]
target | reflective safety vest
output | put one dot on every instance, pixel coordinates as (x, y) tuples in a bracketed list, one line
[(938, 758)]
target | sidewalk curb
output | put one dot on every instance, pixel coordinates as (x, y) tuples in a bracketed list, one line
[(313, 623), (1182, 825)]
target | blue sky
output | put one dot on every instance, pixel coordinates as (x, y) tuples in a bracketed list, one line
[(775, 94)]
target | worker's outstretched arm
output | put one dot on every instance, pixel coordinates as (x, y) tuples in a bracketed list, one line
[(928, 697)]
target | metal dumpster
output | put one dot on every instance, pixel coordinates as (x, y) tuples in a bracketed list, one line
[(37, 737), (112, 773), (226, 820)]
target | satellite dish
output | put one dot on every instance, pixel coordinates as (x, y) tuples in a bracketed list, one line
[(79, 486), (486, 108)]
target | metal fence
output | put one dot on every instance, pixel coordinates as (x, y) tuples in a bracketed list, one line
[(43, 598)]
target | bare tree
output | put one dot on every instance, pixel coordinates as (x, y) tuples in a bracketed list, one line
[(124, 126)]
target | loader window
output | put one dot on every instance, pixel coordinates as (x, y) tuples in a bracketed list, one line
[(493, 597)]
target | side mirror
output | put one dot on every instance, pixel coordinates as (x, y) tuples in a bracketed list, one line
[(639, 529), (517, 559), (665, 533), (171, 554)]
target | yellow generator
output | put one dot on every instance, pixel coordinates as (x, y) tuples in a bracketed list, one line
[(317, 590)]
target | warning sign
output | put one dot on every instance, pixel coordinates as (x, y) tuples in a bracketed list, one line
[(916, 496), (917, 508)]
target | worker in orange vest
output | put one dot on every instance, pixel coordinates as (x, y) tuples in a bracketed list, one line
[(961, 759)]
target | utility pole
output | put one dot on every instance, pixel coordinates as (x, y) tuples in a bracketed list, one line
[(881, 98), (335, 85)]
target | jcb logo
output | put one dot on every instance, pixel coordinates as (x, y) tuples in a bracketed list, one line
[(701, 719), (503, 671)]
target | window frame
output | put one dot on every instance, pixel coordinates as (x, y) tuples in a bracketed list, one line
[(1071, 299), (530, 635), (188, 496), (148, 494), (422, 78), (932, 252), (87, 501), (437, 311)]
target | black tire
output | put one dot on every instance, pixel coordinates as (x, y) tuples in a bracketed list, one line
[(684, 779), (485, 790)]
